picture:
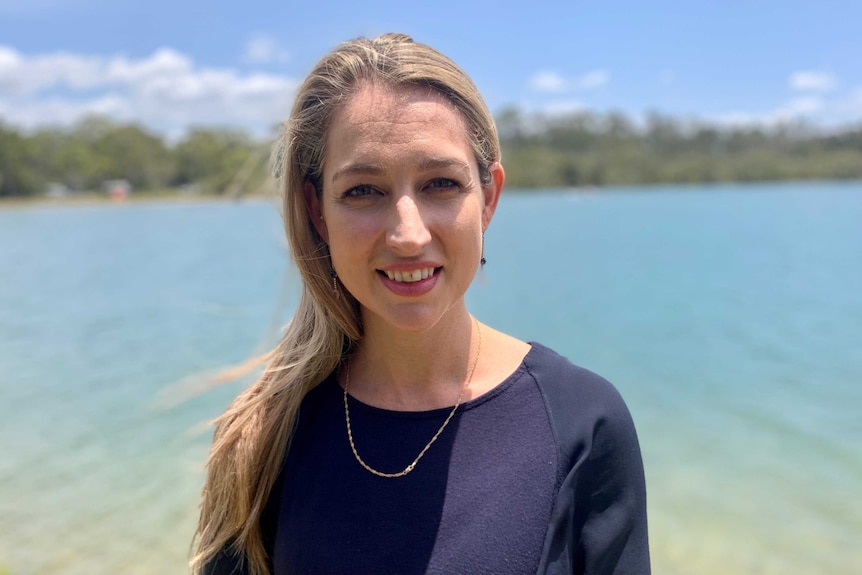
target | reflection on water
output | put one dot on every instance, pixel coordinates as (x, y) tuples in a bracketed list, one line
[(728, 317)]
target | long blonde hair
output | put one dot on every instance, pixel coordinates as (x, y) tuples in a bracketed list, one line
[(253, 435)]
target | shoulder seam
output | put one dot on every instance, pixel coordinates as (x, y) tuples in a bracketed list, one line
[(559, 475)]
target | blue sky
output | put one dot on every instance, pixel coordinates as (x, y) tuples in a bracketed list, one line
[(171, 65)]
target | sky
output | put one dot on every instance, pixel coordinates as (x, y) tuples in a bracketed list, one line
[(173, 65)]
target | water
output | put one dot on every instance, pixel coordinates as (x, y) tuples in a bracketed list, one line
[(729, 317)]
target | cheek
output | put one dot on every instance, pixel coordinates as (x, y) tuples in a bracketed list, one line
[(352, 234), (463, 235), (467, 222)]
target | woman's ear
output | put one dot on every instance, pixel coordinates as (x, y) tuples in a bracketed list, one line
[(315, 210), (491, 193)]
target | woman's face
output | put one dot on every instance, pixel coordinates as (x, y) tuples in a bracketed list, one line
[(402, 208)]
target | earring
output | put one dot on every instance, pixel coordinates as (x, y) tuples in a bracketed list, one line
[(334, 275), (483, 261)]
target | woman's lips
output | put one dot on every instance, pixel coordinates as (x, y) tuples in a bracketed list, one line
[(410, 282), (409, 276)]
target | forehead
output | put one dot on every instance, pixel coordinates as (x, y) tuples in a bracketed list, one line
[(381, 123), (377, 100)]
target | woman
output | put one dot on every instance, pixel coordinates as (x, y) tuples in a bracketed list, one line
[(391, 432)]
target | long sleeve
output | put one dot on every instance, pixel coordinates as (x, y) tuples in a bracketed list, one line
[(599, 523), (610, 502)]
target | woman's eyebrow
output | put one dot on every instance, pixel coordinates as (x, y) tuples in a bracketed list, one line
[(425, 164), (358, 169), (439, 162)]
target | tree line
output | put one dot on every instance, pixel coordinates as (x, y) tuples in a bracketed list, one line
[(96, 149), (578, 149), (588, 149)]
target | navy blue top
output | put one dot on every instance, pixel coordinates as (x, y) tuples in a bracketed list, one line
[(540, 475), (477, 502)]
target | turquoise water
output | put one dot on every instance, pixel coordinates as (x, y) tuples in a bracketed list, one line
[(729, 317)]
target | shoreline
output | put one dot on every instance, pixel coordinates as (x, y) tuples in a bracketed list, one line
[(149, 197)]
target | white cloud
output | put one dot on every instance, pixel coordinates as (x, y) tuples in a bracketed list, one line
[(845, 110), (811, 81), (165, 90), (164, 63), (822, 111), (262, 49), (20, 75), (545, 81), (552, 82), (58, 111), (854, 102), (563, 107), (796, 109), (592, 80)]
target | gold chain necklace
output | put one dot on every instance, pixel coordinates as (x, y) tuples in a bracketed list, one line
[(412, 465)]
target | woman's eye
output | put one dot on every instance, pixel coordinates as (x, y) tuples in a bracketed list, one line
[(443, 184), (362, 191)]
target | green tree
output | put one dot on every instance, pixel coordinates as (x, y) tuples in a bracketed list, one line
[(134, 154), (214, 159), (17, 174)]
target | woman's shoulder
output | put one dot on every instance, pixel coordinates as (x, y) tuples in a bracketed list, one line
[(555, 374), (563, 385), (599, 471), (580, 403)]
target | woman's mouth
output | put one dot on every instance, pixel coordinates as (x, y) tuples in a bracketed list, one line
[(410, 276)]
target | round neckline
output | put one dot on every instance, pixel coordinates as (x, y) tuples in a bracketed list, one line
[(495, 391)]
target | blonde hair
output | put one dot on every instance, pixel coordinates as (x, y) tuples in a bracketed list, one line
[(253, 435)]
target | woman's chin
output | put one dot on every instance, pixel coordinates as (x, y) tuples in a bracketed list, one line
[(408, 318)]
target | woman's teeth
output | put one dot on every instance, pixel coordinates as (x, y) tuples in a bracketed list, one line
[(410, 276)]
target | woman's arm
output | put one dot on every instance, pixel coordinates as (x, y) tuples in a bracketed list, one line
[(599, 524), (609, 513)]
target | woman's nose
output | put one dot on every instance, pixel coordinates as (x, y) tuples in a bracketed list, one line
[(408, 233)]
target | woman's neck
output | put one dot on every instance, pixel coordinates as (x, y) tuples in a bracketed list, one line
[(414, 371)]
